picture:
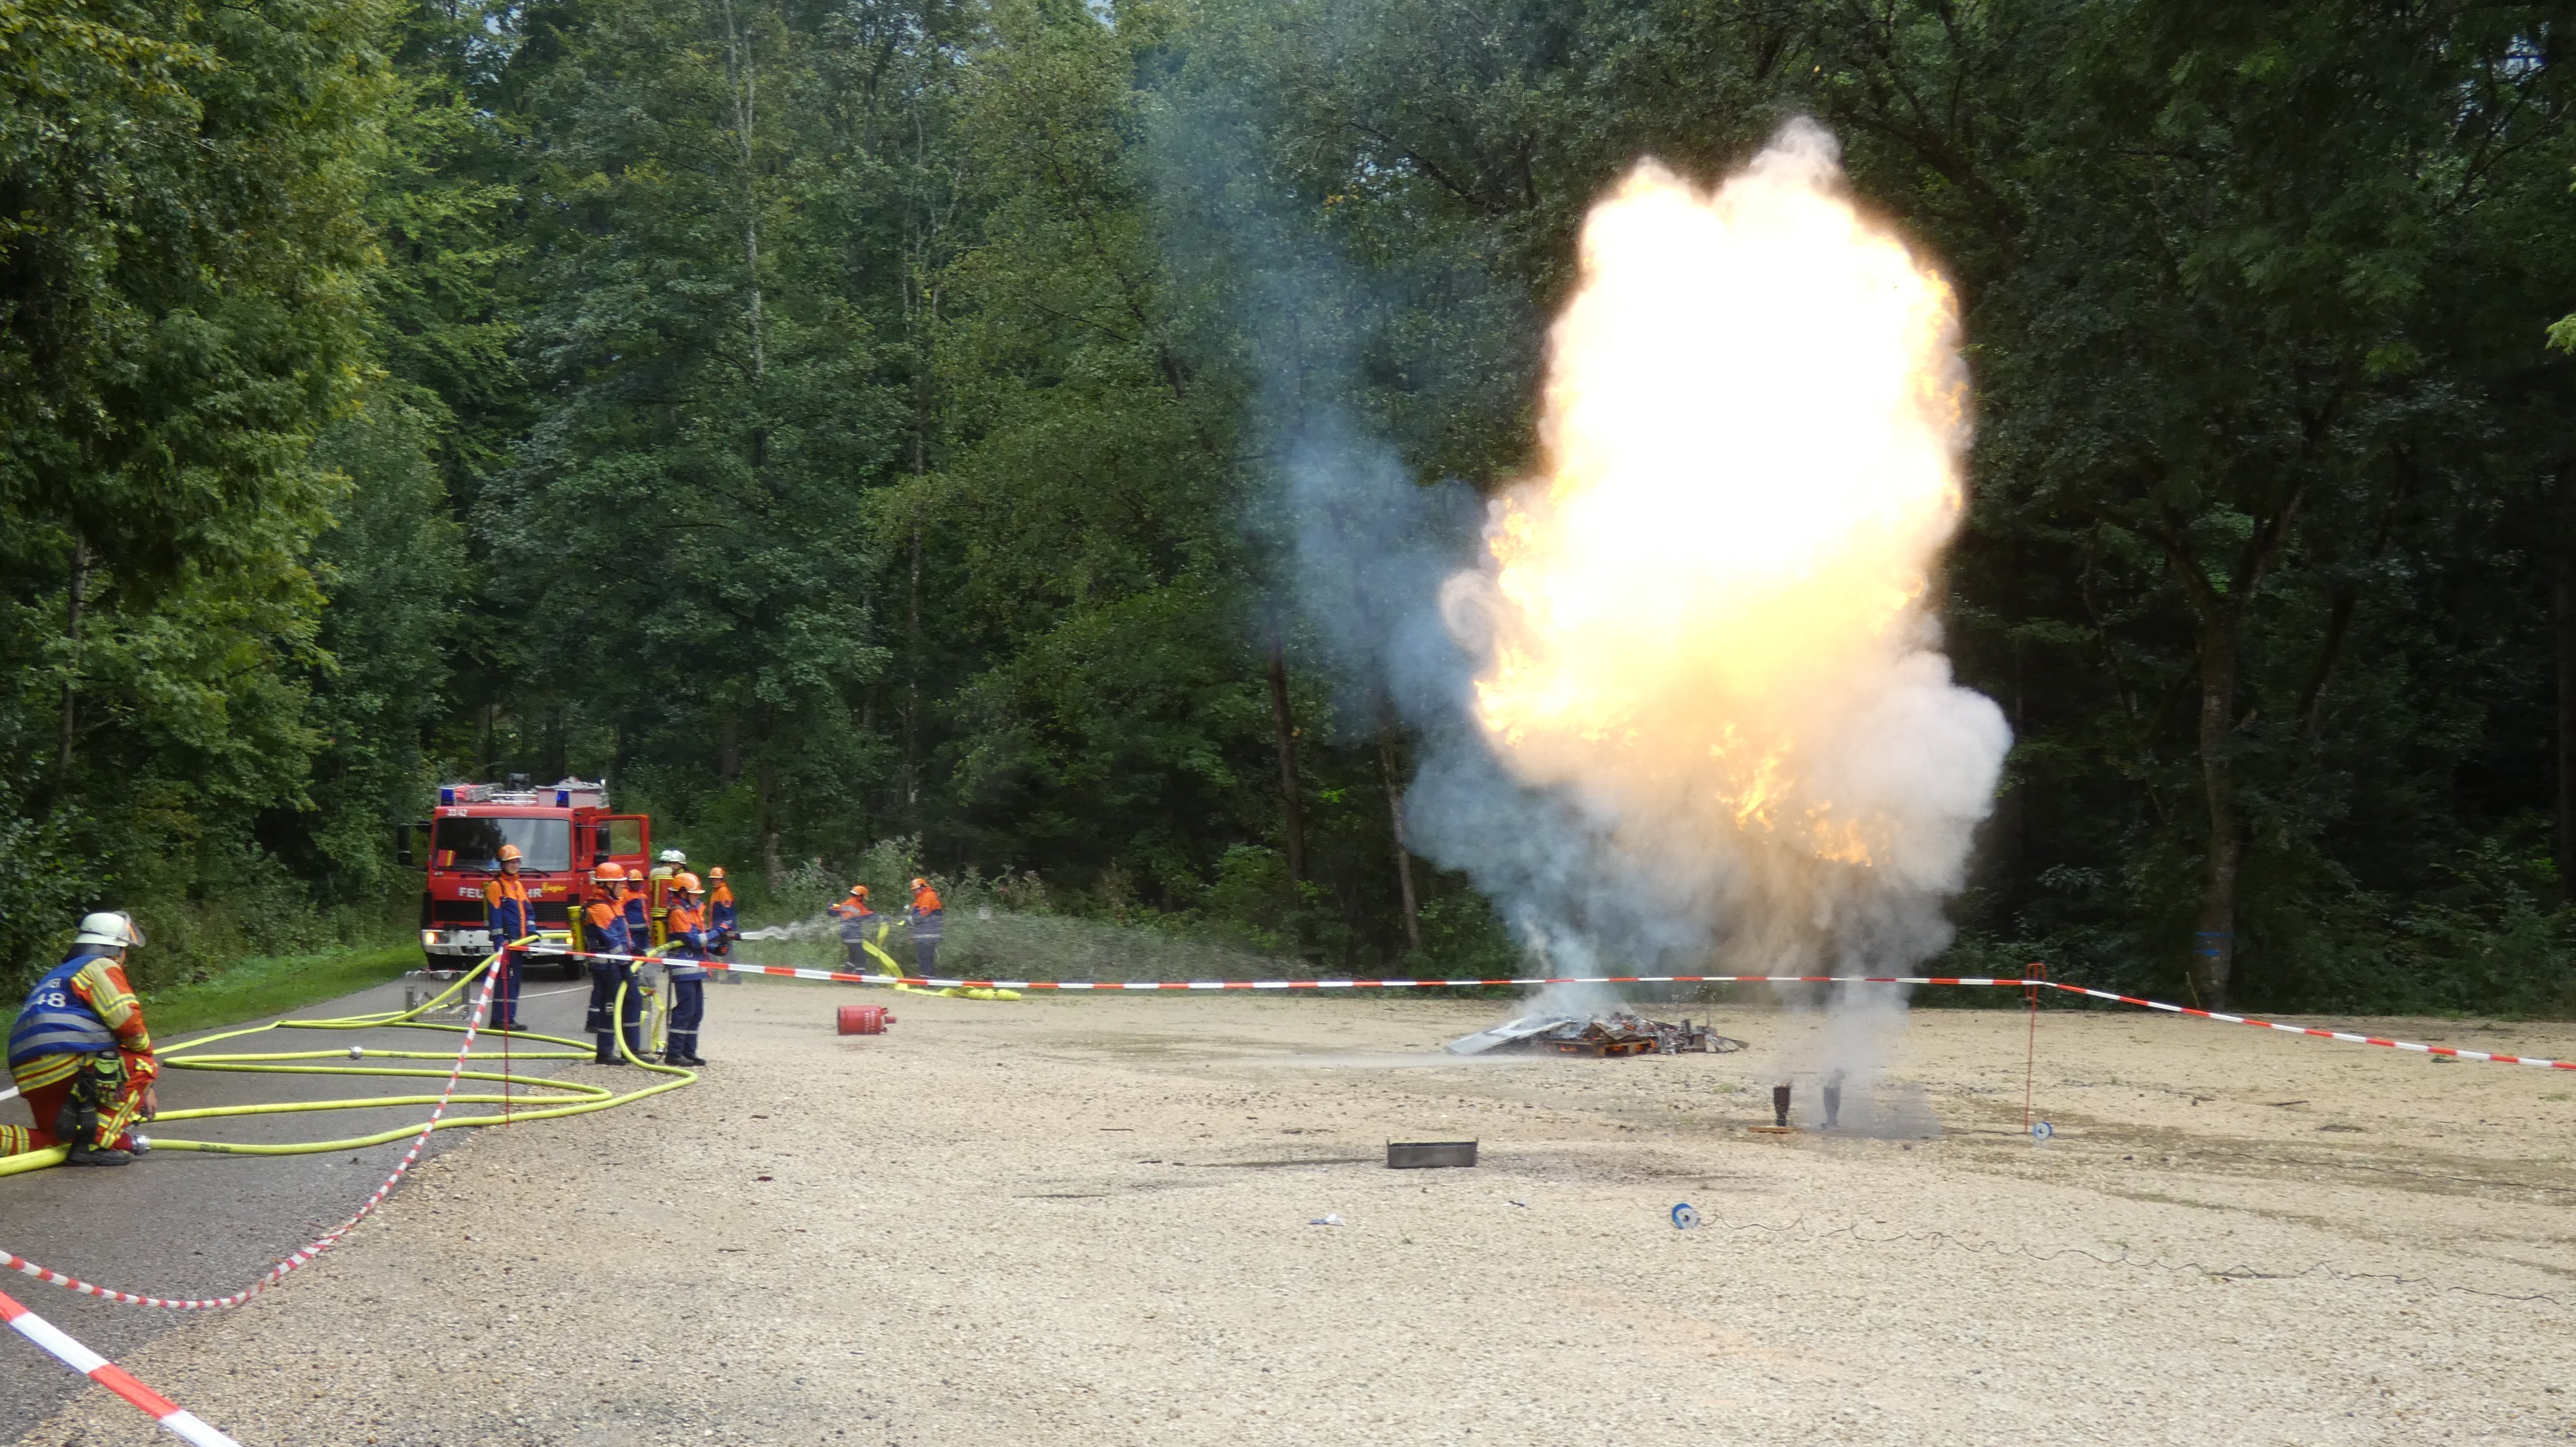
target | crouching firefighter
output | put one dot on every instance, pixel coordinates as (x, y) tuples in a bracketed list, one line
[(684, 943), (604, 932), (81, 1055)]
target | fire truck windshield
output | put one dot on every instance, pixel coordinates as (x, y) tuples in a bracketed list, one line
[(544, 844)]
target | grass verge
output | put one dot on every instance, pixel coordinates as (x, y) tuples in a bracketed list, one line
[(267, 987), (1039, 947)]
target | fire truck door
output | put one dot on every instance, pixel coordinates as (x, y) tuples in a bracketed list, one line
[(624, 838)]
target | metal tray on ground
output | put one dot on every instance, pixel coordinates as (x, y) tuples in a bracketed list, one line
[(1417, 1155)]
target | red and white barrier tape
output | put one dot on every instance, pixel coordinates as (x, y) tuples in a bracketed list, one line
[(176, 1420), (934, 983), (2346, 1036), (328, 1239)]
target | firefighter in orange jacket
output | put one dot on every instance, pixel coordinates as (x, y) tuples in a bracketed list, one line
[(684, 943), (859, 924), (80, 1052), (604, 933), (927, 919), (659, 886), (721, 930), (639, 918), (505, 915)]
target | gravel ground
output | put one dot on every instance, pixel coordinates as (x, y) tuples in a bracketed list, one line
[(1084, 1220)]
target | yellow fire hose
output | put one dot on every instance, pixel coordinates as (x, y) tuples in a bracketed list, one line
[(575, 1097), (953, 992)]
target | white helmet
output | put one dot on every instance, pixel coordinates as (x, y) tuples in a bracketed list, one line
[(114, 928), (673, 856)]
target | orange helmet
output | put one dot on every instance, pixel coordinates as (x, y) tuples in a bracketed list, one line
[(921, 884), (715, 871), (609, 872), (858, 891), (509, 854), (687, 883)]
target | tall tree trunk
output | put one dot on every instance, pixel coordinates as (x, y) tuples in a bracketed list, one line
[(2214, 941), (728, 750), (2218, 612), (746, 118), (559, 742), (912, 694), (76, 595), (765, 784), (1284, 723), (2566, 641), (1386, 774)]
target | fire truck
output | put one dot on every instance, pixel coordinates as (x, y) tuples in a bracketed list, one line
[(563, 832)]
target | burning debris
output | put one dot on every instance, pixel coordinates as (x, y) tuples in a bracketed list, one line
[(1599, 1036)]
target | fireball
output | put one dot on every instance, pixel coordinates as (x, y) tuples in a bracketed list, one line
[(1707, 616)]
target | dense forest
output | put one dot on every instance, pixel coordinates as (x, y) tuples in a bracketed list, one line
[(844, 421)]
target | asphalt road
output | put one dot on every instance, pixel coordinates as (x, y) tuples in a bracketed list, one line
[(192, 1224)]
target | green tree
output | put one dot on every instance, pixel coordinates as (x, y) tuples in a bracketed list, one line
[(183, 264)]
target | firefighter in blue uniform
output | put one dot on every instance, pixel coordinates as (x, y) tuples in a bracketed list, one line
[(927, 918), (859, 925), (639, 918), (505, 915), (658, 888), (684, 943), (721, 929), (603, 922)]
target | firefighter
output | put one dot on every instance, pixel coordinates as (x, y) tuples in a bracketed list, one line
[(605, 933), (639, 914), (721, 930), (685, 943), (505, 915), (657, 891), (858, 925), (925, 916), (80, 1052)]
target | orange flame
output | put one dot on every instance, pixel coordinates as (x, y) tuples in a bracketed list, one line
[(1753, 424)]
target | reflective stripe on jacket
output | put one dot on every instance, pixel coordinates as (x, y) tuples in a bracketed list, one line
[(858, 922), (604, 926), (685, 932)]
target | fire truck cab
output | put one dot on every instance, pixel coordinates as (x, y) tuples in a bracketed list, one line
[(563, 832)]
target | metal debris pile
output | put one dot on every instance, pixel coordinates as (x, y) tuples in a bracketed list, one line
[(1599, 1036)]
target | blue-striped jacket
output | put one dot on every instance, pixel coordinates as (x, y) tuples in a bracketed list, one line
[(57, 1020)]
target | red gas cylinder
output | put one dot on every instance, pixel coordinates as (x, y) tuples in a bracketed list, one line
[(865, 1019)]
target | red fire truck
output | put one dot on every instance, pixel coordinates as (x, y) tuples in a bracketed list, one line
[(563, 832)]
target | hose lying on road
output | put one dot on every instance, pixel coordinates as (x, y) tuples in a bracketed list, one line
[(570, 1097), (595, 1098)]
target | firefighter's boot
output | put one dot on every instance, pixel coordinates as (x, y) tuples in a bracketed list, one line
[(77, 1124)]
